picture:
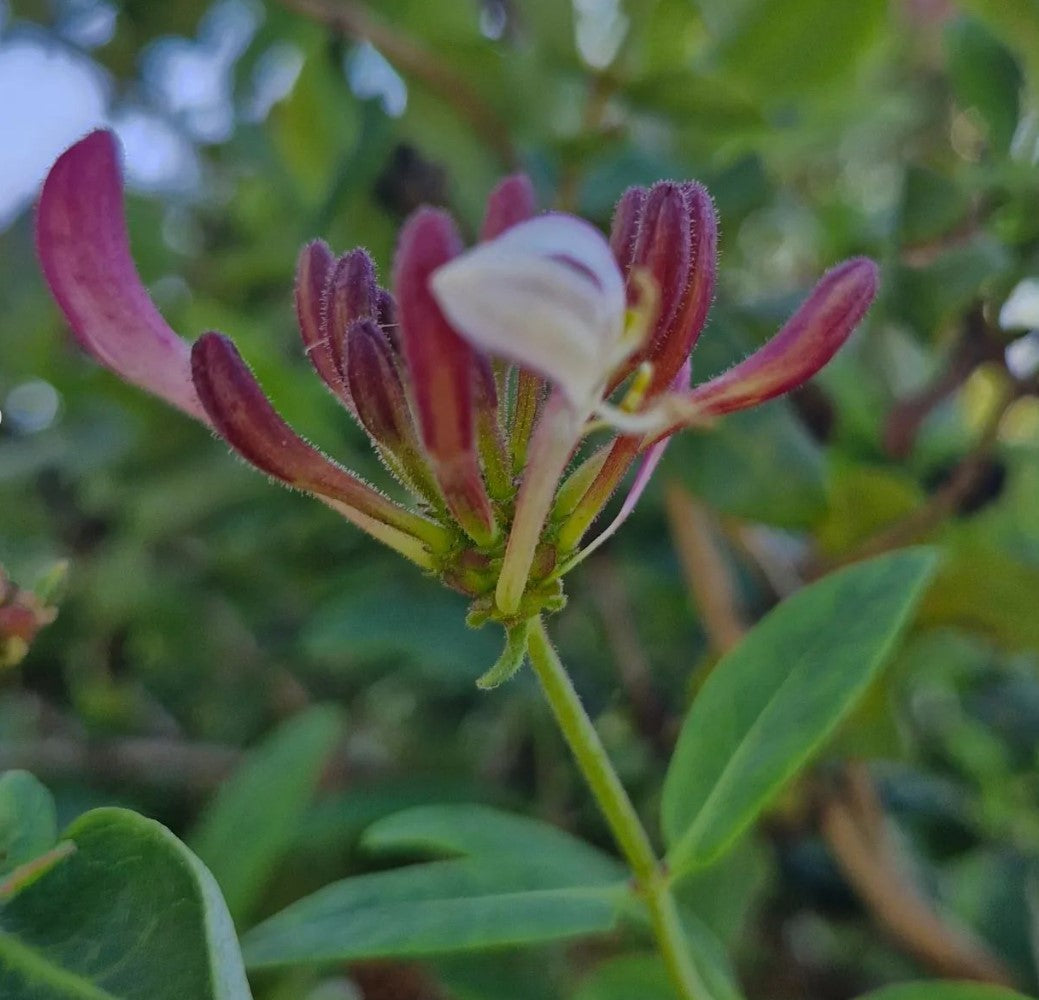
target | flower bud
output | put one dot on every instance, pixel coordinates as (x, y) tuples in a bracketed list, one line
[(441, 366), (510, 203)]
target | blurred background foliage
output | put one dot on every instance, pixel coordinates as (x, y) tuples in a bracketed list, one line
[(204, 606)]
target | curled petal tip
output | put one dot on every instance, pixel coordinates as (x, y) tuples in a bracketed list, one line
[(84, 252)]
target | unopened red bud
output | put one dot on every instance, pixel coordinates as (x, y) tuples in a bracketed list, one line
[(376, 386), (662, 247), (625, 226), (441, 369), (807, 342), (672, 347), (511, 202), (313, 269), (351, 294)]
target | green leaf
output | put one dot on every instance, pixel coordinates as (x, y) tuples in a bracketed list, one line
[(257, 812), (480, 831), (943, 991), (28, 824), (628, 976), (522, 881), (760, 464), (775, 698), (132, 914), (830, 37), (446, 906), (985, 76)]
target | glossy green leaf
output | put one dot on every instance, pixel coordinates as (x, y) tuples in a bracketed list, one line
[(258, 811), (446, 906), (28, 824), (775, 698), (131, 914), (943, 991)]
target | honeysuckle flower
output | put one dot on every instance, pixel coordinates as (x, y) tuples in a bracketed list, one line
[(477, 377)]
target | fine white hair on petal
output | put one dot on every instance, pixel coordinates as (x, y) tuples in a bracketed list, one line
[(548, 295)]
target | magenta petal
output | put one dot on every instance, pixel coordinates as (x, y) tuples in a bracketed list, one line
[(313, 271), (662, 247), (83, 248), (625, 227), (245, 418), (807, 342), (441, 367), (511, 202), (376, 387), (650, 460)]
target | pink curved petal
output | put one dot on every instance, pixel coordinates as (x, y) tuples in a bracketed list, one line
[(511, 202), (807, 342), (83, 248), (650, 460)]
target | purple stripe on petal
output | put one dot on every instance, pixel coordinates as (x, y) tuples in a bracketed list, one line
[(83, 248), (245, 418), (807, 342), (511, 202)]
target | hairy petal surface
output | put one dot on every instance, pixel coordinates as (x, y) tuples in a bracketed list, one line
[(84, 251), (806, 343), (245, 418)]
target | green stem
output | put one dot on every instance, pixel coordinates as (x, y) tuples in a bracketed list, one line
[(618, 810)]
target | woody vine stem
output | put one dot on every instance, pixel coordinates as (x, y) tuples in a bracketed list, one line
[(650, 877)]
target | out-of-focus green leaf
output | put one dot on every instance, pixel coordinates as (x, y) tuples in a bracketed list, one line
[(774, 699), (28, 822), (315, 127), (929, 296), (131, 914), (626, 977), (760, 464), (986, 77), (932, 205), (862, 500), (986, 590), (832, 38), (943, 991), (427, 627), (1016, 22), (257, 812)]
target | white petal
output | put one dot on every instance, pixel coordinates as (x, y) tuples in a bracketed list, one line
[(546, 294), (1021, 309)]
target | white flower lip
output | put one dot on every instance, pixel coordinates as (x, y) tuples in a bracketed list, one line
[(548, 295)]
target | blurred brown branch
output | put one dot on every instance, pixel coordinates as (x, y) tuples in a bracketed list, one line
[(853, 824)]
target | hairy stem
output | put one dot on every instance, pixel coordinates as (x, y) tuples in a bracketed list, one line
[(618, 810)]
